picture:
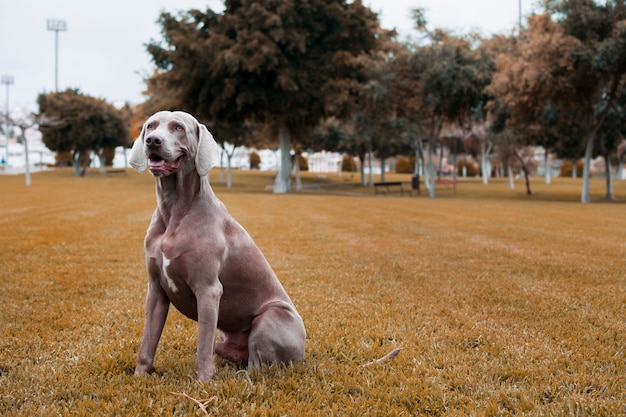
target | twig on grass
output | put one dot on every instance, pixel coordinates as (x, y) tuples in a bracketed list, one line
[(390, 356), (200, 403)]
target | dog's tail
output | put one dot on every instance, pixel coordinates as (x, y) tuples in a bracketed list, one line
[(390, 356)]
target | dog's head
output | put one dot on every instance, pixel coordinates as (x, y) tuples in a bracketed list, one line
[(172, 141)]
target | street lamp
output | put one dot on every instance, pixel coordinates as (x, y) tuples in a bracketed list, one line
[(56, 25), (7, 80)]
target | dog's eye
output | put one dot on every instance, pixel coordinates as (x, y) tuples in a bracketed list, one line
[(179, 127)]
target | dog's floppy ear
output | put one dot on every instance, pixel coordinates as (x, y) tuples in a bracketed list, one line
[(208, 153), (138, 159)]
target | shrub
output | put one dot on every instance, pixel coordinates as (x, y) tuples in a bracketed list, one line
[(303, 163), (109, 155), (567, 168), (348, 164), (405, 165), (471, 169), (255, 160), (63, 159)]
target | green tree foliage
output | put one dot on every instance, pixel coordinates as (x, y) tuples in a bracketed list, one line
[(448, 77), (379, 121), (77, 123), (230, 137), (287, 63), (285, 67), (572, 59), (524, 110), (344, 136)]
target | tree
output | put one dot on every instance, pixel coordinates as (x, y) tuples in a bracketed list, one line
[(621, 152), (526, 87), (77, 123), (345, 136), (512, 145), (609, 138), (598, 66), (287, 63), (380, 121), (452, 76), (406, 88), (23, 124), (230, 137)]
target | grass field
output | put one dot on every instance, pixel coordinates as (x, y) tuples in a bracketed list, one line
[(502, 304)]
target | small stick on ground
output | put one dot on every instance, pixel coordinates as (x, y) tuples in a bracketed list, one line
[(200, 403), (390, 356)]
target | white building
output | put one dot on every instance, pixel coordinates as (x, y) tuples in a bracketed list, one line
[(38, 155)]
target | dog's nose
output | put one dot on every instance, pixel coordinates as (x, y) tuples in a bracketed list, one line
[(153, 142)]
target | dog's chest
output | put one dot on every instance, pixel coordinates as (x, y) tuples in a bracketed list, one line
[(169, 265)]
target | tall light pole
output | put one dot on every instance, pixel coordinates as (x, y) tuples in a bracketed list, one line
[(520, 16), (7, 80), (56, 25)]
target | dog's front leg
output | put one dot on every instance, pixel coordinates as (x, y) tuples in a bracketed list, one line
[(208, 310), (157, 306)]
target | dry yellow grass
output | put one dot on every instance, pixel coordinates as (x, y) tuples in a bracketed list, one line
[(502, 304)]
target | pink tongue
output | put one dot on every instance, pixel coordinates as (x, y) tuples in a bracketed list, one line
[(157, 164)]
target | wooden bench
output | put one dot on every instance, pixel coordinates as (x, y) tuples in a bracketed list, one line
[(390, 187), (446, 183), (115, 171)]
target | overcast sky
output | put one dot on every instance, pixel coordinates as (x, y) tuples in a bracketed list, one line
[(103, 52)]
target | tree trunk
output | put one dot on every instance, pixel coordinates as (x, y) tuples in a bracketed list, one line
[(546, 167), (222, 152), (371, 165), (429, 177), (454, 161), (83, 170), (229, 165), (282, 183), (85, 166), (485, 150), (382, 168), (440, 167), (229, 171), (362, 169), (101, 159), (76, 163), (525, 170), (425, 170), (510, 174), (296, 166), (609, 177), (585, 196), (464, 166), (419, 161), (339, 167), (26, 161)]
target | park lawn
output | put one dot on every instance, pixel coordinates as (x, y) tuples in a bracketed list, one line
[(502, 304)]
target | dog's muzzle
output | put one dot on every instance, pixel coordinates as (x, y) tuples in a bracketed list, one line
[(161, 167)]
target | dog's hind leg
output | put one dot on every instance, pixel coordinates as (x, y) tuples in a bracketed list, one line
[(233, 347), (277, 335)]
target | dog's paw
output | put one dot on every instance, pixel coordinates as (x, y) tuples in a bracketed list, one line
[(205, 375), (141, 371)]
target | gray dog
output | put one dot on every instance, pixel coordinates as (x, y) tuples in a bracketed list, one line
[(204, 262)]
